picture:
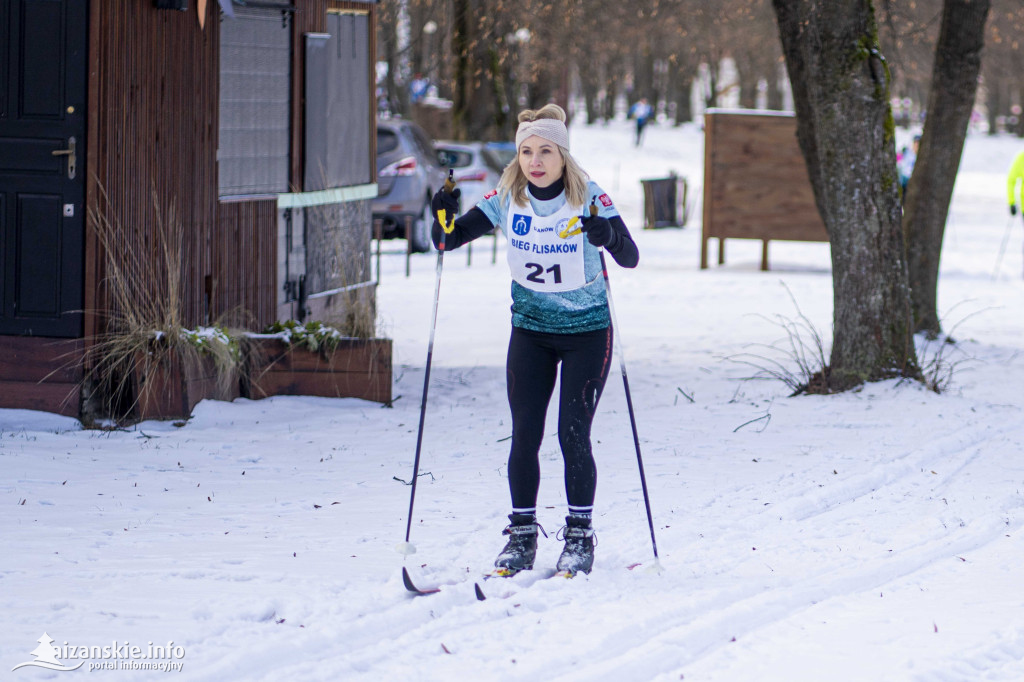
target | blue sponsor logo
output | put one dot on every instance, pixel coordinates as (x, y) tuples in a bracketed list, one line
[(521, 224)]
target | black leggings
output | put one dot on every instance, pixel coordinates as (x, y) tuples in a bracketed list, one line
[(532, 367)]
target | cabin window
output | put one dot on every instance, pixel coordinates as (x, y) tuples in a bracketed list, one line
[(255, 102), (338, 124)]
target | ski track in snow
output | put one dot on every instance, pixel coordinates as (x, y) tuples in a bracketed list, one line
[(874, 535)]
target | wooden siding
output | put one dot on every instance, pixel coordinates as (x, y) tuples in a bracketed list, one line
[(145, 64), (755, 182), (153, 133), (245, 262)]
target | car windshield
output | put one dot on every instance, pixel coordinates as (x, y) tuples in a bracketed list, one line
[(497, 159), (424, 143), (454, 158)]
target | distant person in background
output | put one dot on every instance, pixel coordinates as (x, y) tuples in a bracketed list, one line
[(905, 163), (1015, 182), (418, 88), (641, 111)]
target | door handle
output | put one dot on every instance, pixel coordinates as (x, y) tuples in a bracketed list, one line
[(72, 157)]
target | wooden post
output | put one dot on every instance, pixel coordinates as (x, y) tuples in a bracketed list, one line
[(408, 243), (708, 206), (378, 228)]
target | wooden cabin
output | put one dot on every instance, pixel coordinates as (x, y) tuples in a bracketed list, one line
[(242, 134)]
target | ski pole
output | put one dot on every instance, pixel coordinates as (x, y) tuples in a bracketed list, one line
[(1002, 248), (446, 228), (629, 398)]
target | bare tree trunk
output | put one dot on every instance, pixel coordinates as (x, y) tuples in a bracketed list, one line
[(389, 46), (845, 130), (684, 103), (477, 96), (614, 78), (461, 38), (775, 91), (711, 96), (643, 75), (950, 101), (994, 103), (680, 86), (748, 81), (590, 85)]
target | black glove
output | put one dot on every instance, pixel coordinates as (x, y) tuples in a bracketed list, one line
[(447, 201), (1013, 209), (598, 230)]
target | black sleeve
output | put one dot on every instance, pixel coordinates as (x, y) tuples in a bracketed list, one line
[(622, 247), (472, 224)]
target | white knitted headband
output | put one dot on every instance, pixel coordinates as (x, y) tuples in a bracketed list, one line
[(550, 129)]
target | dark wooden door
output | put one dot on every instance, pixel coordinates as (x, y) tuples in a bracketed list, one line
[(43, 63)]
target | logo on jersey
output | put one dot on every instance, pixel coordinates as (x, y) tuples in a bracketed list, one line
[(521, 224), (492, 193), (605, 200)]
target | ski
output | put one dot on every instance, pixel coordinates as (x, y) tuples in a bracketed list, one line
[(496, 573), (422, 591), (411, 586), (503, 573), (490, 575)]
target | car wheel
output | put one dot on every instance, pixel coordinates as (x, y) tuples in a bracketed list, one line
[(420, 241)]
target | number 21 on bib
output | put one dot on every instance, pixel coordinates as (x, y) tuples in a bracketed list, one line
[(538, 258)]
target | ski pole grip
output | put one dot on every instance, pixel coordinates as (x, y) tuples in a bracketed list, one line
[(449, 182), (593, 207)]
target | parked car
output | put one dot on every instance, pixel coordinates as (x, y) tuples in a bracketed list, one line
[(476, 168), (502, 152), (408, 175)]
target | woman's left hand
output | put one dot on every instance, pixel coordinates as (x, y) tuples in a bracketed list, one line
[(598, 230)]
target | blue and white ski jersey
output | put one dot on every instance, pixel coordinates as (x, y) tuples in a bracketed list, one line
[(579, 310)]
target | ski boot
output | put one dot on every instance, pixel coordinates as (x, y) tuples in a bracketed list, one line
[(521, 548), (578, 554)]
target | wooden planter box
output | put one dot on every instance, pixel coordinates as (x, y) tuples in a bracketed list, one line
[(171, 388), (356, 368)]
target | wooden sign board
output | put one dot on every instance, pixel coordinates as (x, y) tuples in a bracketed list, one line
[(755, 182)]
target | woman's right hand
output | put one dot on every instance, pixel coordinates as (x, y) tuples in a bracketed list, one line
[(448, 201)]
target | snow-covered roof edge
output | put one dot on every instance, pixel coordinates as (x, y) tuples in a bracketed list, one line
[(750, 112)]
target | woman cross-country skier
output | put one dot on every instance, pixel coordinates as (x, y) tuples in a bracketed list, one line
[(560, 315)]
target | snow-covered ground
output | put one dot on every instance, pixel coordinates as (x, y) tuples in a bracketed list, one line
[(875, 535)]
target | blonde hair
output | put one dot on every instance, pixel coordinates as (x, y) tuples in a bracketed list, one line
[(513, 181)]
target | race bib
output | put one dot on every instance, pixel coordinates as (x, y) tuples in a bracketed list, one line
[(538, 257)]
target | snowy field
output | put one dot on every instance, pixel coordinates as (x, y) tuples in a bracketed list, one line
[(875, 535)]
